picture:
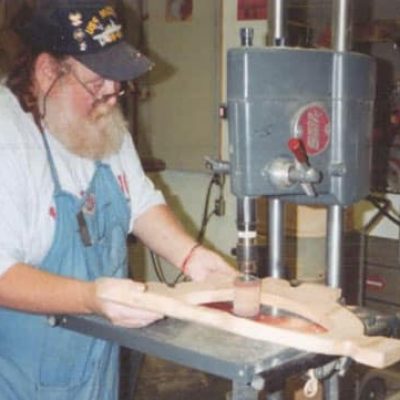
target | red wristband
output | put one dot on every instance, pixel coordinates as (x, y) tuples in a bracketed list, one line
[(188, 257)]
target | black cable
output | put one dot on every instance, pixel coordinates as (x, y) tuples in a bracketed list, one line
[(206, 216), (375, 201), (156, 264), (200, 236), (160, 273)]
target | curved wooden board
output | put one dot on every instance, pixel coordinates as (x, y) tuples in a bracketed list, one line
[(344, 334)]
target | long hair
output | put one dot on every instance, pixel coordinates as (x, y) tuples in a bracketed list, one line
[(20, 77), (20, 80)]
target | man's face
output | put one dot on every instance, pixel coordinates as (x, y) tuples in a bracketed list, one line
[(81, 111)]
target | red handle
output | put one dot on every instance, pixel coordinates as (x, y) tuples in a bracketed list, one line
[(296, 146)]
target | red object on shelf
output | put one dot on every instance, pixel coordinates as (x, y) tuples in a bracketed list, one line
[(251, 10)]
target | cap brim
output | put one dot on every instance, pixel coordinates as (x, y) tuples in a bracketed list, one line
[(119, 62)]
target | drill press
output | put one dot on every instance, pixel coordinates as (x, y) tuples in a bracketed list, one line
[(300, 123)]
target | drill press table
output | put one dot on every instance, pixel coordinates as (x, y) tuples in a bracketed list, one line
[(249, 364)]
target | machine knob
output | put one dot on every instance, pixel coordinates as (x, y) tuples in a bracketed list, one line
[(297, 148), (302, 171)]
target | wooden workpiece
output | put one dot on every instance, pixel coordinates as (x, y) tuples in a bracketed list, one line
[(341, 333)]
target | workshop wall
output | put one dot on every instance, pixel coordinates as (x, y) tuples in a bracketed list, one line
[(9, 43), (183, 39)]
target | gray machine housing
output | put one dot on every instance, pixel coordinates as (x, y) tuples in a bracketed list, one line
[(268, 88)]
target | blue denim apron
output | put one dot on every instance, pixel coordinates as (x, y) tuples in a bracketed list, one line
[(38, 361)]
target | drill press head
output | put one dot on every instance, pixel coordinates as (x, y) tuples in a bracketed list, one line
[(300, 124)]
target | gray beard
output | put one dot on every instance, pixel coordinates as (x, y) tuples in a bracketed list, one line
[(95, 137)]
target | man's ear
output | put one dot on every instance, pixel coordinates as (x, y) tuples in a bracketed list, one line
[(46, 70)]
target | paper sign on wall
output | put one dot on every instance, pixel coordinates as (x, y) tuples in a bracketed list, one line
[(251, 10), (179, 10)]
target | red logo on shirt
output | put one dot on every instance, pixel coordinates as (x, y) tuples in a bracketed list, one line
[(53, 212), (123, 183)]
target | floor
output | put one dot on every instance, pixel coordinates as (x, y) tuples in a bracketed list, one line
[(161, 380)]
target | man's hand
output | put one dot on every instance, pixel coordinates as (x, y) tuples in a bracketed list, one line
[(107, 289), (205, 264)]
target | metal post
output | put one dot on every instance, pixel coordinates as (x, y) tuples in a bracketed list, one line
[(243, 392), (340, 43), (341, 25), (276, 396), (276, 236), (340, 28), (334, 246), (276, 37), (332, 387), (276, 26)]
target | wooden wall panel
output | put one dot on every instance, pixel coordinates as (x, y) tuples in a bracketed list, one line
[(181, 114)]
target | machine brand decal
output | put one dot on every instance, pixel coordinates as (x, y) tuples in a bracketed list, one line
[(375, 282), (312, 125)]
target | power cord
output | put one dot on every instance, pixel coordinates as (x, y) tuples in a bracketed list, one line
[(219, 206), (383, 205), (218, 180), (160, 272)]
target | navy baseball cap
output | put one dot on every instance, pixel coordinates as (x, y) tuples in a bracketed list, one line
[(89, 31)]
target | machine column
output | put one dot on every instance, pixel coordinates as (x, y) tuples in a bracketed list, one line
[(341, 23), (276, 237), (276, 37), (334, 246), (276, 234), (340, 42), (276, 228), (276, 26)]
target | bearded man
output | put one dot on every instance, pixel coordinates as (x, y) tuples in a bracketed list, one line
[(72, 188)]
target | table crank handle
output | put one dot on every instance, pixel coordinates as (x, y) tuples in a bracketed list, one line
[(311, 386)]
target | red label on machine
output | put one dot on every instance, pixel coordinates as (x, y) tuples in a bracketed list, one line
[(313, 128), (375, 282)]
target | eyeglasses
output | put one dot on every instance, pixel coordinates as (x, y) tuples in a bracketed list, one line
[(93, 86)]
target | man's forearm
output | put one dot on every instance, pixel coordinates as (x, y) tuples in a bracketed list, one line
[(160, 230), (26, 288)]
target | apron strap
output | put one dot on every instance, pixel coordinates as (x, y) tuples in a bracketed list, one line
[(53, 169)]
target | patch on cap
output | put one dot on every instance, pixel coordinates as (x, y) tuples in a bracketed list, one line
[(103, 28), (87, 30)]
